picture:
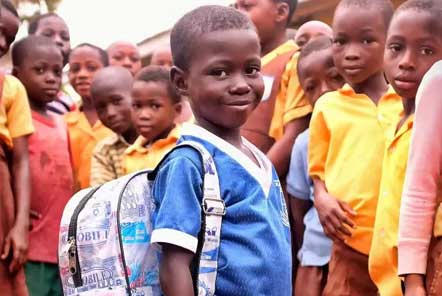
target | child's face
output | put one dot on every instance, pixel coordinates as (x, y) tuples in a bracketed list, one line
[(411, 49), (9, 24), (359, 41), (40, 72), (263, 14), (113, 106), (152, 109), (318, 75), (84, 62), (223, 82), (125, 55), (56, 29), (162, 57)]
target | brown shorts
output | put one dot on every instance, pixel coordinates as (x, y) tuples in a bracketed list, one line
[(10, 284), (310, 280), (348, 273), (434, 268)]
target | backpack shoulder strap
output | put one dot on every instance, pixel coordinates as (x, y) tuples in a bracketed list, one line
[(213, 209)]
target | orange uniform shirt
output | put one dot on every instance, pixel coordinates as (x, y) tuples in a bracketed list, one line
[(15, 114), (141, 156), (383, 258), (346, 147), (82, 139), (290, 101)]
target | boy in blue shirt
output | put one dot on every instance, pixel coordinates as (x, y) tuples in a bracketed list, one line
[(216, 56), (317, 75)]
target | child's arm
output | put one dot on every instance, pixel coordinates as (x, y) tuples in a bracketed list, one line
[(421, 183), (332, 212), (279, 154), (101, 167), (298, 207), (16, 241), (175, 276)]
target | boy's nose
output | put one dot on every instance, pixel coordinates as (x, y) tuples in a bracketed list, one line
[(240, 85), (352, 53), (408, 61)]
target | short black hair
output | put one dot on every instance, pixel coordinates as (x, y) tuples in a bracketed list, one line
[(292, 7), (25, 46), (317, 44), (432, 7), (104, 57), (35, 22), (10, 7), (383, 6), (202, 20), (159, 74)]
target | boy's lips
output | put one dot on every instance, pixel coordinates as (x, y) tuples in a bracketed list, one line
[(404, 83), (51, 91)]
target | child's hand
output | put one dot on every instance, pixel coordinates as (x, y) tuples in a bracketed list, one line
[(414, 285), (16, 247), (333, 215)]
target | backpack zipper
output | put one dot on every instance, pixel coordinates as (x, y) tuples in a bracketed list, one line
[(74, 261)]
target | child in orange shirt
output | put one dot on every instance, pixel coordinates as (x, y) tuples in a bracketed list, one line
[(38, 63), (155, 106), (85, 130), (15, 127)]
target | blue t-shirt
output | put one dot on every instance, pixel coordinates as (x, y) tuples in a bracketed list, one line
[(316, 246), (255, 253)]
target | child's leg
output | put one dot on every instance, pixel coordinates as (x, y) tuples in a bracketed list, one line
[(9, 284), (348, 275), (310, 280), (43, 279), (434, 268)]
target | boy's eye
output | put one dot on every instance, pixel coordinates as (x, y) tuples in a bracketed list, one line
[(338, 41), (136, 106), (118, 57), (394, 47), (92, 68), (65, 37), (219, 73), (39, 70), (310, 87), (155, 106), (367, 41), (134, 59), (252, 71), (427, 51), (58, 72)]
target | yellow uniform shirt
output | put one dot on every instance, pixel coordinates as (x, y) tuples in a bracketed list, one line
[(15, 114), (383, 258), (82, 140), (346, 147), (141, 156), (290, 101)]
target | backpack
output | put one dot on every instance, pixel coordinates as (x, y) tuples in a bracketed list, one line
[(104, 242)]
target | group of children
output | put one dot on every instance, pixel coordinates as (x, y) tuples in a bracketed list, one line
[(253, 93)]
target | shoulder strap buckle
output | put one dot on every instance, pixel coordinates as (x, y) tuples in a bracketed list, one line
[(214, 206)]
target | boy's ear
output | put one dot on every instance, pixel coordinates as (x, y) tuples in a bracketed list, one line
[(179, 80), (282, 9)]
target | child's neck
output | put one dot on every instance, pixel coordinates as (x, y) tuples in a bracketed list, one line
[(276, 41), (374, 87), (89, 111), (409, 107), (39, 107), (163, 135), (230, 135), (130, 135)]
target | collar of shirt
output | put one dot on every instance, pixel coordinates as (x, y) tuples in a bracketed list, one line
[(141, 144), (283, 48), (80, 120), (349, 91)]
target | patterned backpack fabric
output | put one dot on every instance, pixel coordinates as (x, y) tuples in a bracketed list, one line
[(104, 242)]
